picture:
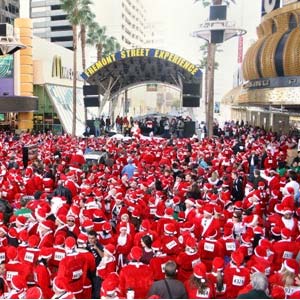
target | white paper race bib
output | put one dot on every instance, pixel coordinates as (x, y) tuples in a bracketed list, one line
[(230, 246), (10, 274), (289, 290), (153, 211), (287, 254), (238, 280), (2, 256), (171, 245), (29, 257), (58, 256), (77, 274), (203, 294), (209, 247)]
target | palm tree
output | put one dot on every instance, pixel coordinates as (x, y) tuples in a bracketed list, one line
[(75, 10), (210, 72), (97, 37), (111, 46)]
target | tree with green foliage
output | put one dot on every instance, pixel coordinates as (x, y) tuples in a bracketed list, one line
[(76, 13)]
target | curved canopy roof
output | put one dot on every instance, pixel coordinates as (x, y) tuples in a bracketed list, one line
[(125, 68)]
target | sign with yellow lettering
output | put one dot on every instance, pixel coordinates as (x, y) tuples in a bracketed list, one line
[(142, 52)]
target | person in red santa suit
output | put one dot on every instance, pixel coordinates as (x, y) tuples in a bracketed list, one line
[(158, 261), (285, 219), (42, 274), (187, 259), (166, 219), (190, 211), (198, 286), (106, 235), (286, 276), (72, 268), (236, 276), (216, 277), (135, 275), (18, 288), (72, 227), (284, 249), (58, 254), (108, 262), (124, 244), (209, 248), (14, 266), (170, 243), (129, 225), (90, 266), (144, 229), (60, 289), (208, 223), (45, 230)]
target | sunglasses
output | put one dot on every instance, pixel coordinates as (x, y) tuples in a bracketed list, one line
[(71, 221)]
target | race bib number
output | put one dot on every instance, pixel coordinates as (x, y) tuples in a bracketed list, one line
[(209, 247), (230, 246), (58, 256), (250, 251), (203, 294), (171, 245), (287, 254), (289, 290), (10, 274), (2, 256), (29, 257), (195, 262), (77, 274), (238, 280)]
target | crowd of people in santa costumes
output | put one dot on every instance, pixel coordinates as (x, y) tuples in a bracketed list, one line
[(221, 208)]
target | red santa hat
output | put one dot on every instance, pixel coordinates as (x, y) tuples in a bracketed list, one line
[(169, 212), (21, 220), (278, 292), (170, 228), (110, 285), (290, 190), (11, 252), (18, 283), (70, 243), (238, 205), (199, 271), (218, 264), (62, 219), (189, 201), (276, 230), (87, 224), (250, 220), (106, 226), (237, 257), (47, 224), (135, 253), (110, 249), (208, 209), (34, 293), (82, 238), (291, 265), (156, 245), (261, 251), (191, 243), (59, 240)]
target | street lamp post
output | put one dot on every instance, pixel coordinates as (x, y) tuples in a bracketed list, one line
[(215, 31)]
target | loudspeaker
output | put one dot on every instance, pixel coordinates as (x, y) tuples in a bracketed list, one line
[(90, 90), (217, 36), (190, 101), (217, 12), (91, 101), (191, 89), (189, 129)]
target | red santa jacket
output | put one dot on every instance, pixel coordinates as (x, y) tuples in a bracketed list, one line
[(235, 278), (72, 268), (157, 264), (186, 262), (42, 278), (194, 292), (130, 277)]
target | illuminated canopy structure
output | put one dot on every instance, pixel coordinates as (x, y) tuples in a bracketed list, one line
[(126, 68)]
